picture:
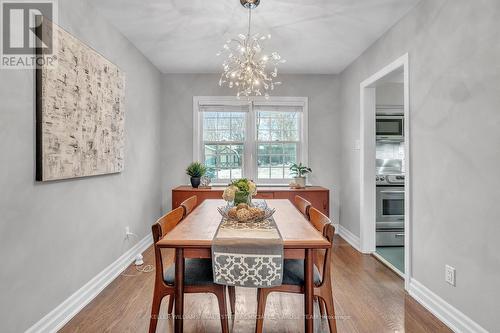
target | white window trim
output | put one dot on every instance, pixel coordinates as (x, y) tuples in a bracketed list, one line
[(248, 164)]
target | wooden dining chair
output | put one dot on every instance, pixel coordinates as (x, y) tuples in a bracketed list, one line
[(189, 204), (302, 205), (293, 275), (198, 276)]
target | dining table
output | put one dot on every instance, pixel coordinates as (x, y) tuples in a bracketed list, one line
[(192, 238)]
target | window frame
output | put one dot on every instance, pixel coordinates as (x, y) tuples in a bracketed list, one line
[(249, 167)]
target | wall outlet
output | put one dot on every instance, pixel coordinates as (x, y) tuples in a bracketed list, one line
[(449, 275), (127, 232)]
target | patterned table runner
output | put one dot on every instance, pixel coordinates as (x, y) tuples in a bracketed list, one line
[(248, 254)]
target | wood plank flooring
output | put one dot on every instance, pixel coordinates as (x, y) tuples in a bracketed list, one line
[(368, 298)]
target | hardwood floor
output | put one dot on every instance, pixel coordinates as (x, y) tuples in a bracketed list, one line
[(368, 298)]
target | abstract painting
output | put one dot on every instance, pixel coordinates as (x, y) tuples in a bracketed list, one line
[(79, 111)]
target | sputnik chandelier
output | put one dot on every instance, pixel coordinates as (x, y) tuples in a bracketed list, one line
[(246, 66)]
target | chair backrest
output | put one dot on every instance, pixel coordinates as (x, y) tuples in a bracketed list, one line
[(163, 226), (324, 225), (302, 205), (189, 204)]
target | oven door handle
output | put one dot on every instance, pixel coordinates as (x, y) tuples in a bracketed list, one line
[(392, 192)]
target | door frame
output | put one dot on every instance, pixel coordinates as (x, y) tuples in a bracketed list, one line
[(368, 156)]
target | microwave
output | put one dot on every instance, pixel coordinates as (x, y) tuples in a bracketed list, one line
[(390, 127)]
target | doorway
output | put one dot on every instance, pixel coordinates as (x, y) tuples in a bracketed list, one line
[(385, 228)]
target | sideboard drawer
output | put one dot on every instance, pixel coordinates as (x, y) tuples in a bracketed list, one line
[(264, 195)]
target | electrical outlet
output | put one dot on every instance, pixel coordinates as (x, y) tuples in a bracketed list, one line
[(449, 275), (127, 232)]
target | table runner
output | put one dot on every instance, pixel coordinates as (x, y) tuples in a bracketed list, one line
[(248, 254)]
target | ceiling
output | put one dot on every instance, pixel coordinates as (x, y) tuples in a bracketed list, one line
[(314, 36), (396, 76)]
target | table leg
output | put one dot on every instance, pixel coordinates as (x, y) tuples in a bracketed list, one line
[(179, 290), (308, 291)]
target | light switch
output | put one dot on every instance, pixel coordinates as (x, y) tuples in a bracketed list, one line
[(357, 145)]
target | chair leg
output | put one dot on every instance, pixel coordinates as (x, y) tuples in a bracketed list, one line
[(261, 309), (321, 306), (330, 311), (221, 298), (170, 304), (232, 299), (155, 310)]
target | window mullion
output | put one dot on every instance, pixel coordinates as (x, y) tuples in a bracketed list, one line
[(250, 157)]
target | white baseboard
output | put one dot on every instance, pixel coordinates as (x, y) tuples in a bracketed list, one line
[(448, 314), (349, 237), (63, 313)]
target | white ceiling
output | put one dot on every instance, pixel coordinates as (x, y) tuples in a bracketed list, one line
[(397, 76), (314, 36)]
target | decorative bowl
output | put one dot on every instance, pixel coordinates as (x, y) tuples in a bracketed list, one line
[(257, 212)]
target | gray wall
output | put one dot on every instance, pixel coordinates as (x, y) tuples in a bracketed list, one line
[(454, 53), (55, 237), (389, 93), (324, 125)]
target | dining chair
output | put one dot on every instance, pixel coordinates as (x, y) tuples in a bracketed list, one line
[(293, 275), (302, 205), (189, 204), (198, 276)]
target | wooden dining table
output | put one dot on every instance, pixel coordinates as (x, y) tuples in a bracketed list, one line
[(192, 238)]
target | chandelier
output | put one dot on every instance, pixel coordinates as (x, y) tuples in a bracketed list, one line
[(246, 66)]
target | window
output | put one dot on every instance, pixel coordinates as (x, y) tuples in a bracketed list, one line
[(257, 140), (277, 142), (223, 142)]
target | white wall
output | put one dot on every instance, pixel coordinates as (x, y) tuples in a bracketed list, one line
[(56, 236), (454, 53), (324, 126)]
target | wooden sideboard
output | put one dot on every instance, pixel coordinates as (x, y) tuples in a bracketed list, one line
[(317, 195)]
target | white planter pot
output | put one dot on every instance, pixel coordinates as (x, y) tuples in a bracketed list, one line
[(300, 181)]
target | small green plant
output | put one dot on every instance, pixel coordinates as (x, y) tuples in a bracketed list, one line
[(299, 170), (196, 170)]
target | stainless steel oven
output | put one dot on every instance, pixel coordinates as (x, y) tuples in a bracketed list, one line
[(390, 207), (390, 221), (390, 127)]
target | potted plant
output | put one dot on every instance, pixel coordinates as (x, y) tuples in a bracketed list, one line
[(196, 170), (240, 191), (299, 172)]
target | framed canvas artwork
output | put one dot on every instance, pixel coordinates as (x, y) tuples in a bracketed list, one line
[(79, 111)]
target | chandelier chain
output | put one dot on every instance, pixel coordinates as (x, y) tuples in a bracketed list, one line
[(249, 20)]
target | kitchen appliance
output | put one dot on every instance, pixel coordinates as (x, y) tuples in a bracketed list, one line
[(390, 127), (390, 237), (388, 180), (390, 209)]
